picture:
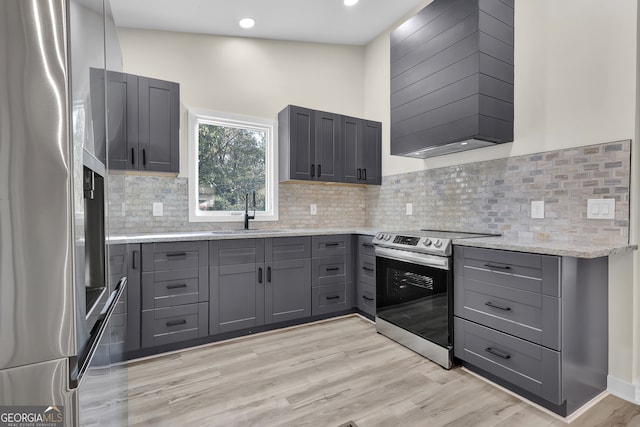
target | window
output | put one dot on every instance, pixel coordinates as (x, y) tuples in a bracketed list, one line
[(230, 158)]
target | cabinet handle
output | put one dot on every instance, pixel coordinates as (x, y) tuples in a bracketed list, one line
[(269, 274), (176, 254), (144, 157), (367, 245), (319, 170), (133, 156), (499, 307), (334, 297), (313, 170), (368, 268), (134, 257), (500, 354), (359, 174), (178, 286), (332, 244), (367, 298), (364, 174), (332, 269), (176, 322), (500, 267), (260, 275)]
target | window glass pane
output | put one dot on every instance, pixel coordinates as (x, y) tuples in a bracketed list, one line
[(231, 163)]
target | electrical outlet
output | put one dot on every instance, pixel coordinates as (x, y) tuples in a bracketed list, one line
[(157, 209), (313, 209), (124, 209), (601, 208), (409, 208), (537, 209)]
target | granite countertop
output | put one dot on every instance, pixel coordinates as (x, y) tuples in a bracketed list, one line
[(234, 234), (546, 248)]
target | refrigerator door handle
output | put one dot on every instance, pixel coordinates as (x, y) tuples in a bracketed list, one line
[(97, 332)]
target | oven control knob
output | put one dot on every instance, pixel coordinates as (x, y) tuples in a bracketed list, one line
[(387, 236), (427, 242), (379, 236), (437, 243)]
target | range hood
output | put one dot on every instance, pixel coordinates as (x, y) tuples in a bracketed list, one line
[(452, 78)]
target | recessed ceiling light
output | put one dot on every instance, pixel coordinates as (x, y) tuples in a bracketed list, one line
[(350, 2), (247, 23)]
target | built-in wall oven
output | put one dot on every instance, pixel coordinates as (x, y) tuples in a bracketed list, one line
[(414, 290)]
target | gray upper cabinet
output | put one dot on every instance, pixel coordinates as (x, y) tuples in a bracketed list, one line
[(144, 123), (320, 146), (158, 125), (362, 148)]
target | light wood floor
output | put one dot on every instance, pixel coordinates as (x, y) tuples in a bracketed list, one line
[(328, 374)]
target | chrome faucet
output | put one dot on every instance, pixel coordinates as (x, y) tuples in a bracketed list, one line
[(247, 217)]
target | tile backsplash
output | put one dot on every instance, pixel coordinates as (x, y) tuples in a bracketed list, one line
[(496, 195), (493, 196)]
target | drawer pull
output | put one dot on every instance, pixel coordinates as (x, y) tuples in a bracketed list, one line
[(177, 322), (332, 269), (499, 307), (332, 244), (367, 245), (500, 267), (500, 354), (367, 269), (178, 286), (334, 297), (176, 254), (367, 298)]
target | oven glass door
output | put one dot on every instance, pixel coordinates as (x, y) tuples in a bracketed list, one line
[(416, 298)]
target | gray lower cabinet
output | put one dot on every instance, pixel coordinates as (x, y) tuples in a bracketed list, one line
[(258, 281), (174, 292), (527, 321), (365, 298), (331, 277), (124, 260)]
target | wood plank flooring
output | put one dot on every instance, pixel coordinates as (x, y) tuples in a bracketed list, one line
[(328, 374)]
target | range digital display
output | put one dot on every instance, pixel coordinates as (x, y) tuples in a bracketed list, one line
[(404, 240)]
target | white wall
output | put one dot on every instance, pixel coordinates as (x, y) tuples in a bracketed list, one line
[(247, 76)]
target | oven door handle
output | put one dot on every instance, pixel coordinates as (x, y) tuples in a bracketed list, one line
[(413, 258)]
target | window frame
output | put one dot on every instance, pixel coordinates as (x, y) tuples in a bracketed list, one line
[(197, 116)]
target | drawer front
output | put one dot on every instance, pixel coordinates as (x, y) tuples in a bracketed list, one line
[(174, 256), (367, 269), (366, 298), (283, 248), (339, 244), (160, 291), (524, 271), (527, 315), (174, 324), (328, 299), (365, 246), (117, 270), (530, 366), (330, 270), (236, 251)]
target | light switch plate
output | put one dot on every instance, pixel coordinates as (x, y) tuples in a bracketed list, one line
[(601, 208), (157, 209), (537, 209), (409, 208), (313, 209)]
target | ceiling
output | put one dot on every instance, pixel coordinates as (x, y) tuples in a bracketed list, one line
[(320, 21)]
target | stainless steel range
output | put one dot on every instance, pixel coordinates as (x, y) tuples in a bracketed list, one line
[(414, 290)]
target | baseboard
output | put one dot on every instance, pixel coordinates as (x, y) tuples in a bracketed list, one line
[(623, 389)]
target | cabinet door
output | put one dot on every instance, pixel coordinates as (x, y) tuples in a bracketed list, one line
[(351, 138), (297, 136), (238, 292), (122, 119), (328, 158), (159, 125), (288, 290), (370, 153)]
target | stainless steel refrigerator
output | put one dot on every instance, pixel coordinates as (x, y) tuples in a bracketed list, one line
[(56, 362)]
